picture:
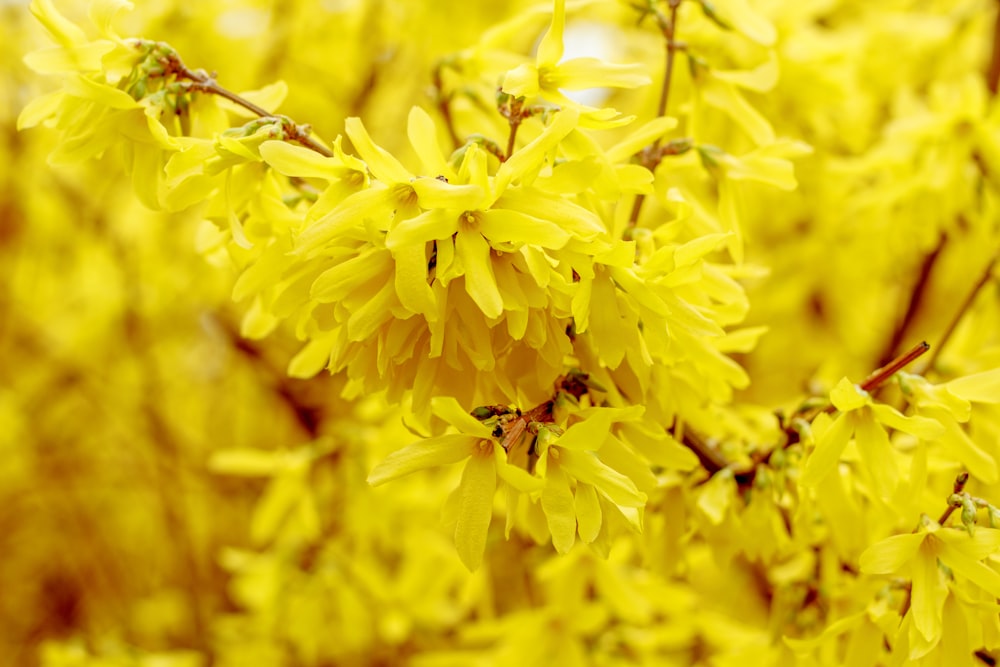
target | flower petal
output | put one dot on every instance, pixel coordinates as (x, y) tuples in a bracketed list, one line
[(927, 593), (435, 193), (876, 453), (422, 132), (828, 449), (980, 387), (586, 467), (448, 409), (430, 453), (582, 73), (588, 512), (411, 281), (501, 225), (532, 155), (922, 427), (518, 478), (381, 163), (890, 554), (292, 160), (480, 282), (550, 47), (557, 503), (475, 509), (848, 396), (432, 225)]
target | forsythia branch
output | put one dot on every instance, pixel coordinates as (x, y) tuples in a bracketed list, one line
[(204, 82)]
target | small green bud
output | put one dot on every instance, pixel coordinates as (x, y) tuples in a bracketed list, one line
[(969, 514), (994, 515), (482, 412)]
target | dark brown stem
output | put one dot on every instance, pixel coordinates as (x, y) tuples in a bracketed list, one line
[(993, 71), (917, 295), (203, 82), (960, 481), (444, 107), (962, 310), (514, 124), (668, 26), (875, 380), (878, 377)]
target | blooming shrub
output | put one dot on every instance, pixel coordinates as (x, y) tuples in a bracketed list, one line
[(535, 358)]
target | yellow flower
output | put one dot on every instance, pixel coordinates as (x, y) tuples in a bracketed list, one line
[(550, 74), (572, 459), (919, 554), (864, 420), (486, 460)]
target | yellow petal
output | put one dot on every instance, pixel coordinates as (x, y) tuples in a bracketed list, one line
[(522, 81), (583, 73), (922, 427), (103, 14), (550, 47), (743, 18), (531, 156), (435, 193), (760, 79), (40, 109), (434, 225), (311, 359), (927, 593), (508, 226), (848, 396), (965, 565), (411, 281), (828, 449), (448, 409), (980, 387), (586, 467), (640, 138), (82, 58), (422, 132), (557, 503), (890, 554), (292, 160), (102, 93), (588, 511), (246, 462), (380, 162), (62, 29), (876, 453), (480, 281), (475, 509), (430, 453), (517, 478)]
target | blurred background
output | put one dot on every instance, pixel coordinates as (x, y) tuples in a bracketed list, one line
[(169, 498)]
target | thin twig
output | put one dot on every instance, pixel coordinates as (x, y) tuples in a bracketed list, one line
[(444, 107), (203, 82), (962, 310), (993, 71), (668, 26), (960, 482), (917, 295), (875, 380)]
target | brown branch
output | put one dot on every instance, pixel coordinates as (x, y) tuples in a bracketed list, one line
[(444, 106), (668, 26), (960, 481), (962, 310), (203, 82), (917, 295), (875, 380), (993, 70)]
